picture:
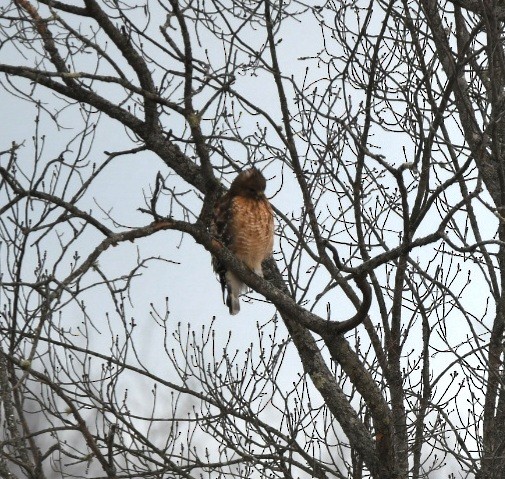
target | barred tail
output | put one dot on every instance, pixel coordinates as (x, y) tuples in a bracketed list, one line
[(234, 288), (233, 303)]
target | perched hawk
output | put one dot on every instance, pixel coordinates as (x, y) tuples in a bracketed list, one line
[(243, 222)]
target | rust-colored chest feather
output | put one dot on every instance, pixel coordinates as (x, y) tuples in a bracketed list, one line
[(251, 230)]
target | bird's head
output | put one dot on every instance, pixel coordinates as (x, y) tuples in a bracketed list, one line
[(249, 183)]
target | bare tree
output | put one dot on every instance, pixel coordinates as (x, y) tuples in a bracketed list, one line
[(379, 124)]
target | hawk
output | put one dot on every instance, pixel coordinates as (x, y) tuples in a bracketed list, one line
[(243, 221)]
